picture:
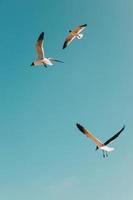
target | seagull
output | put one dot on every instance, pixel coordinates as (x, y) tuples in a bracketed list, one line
[(74, 34), (42, 60), (99, 144)]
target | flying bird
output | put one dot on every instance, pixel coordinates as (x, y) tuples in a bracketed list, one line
[(99, 144), (76, 33), (42, 60)]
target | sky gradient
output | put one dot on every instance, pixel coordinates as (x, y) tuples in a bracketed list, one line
[(43, 154)]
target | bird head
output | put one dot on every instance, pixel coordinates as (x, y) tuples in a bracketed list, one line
[(32, 64), (96, 148)]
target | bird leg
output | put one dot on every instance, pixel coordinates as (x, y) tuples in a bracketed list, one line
[(106, 154), (44, 65), (103, 154)]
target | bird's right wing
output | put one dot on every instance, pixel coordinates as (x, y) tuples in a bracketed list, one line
[(68, 40), (39, 46), (89, 135), (55, 60)]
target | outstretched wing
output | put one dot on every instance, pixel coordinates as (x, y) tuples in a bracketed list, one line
[(55, 60), (79, 28), (89, 135), (68, 40), (39, 46), (115, 136)]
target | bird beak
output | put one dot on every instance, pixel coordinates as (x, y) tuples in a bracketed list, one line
[(32, 64), (96, 148)]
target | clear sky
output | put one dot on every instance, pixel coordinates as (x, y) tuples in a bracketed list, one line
[(42, 153)]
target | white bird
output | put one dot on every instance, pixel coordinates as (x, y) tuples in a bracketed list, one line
[(42, 60), (76, 33), (99, 144)]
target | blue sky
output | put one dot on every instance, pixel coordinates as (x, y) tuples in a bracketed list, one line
[(43, 155)]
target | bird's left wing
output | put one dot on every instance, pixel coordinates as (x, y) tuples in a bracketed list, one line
[(90, 135), (39, 46), (115, 136), (80, 28)]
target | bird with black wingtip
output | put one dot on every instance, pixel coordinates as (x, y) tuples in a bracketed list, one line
[(42, 60), (100, 145), (75, 33)]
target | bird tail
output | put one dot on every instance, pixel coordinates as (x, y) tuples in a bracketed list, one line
[(79, 36)]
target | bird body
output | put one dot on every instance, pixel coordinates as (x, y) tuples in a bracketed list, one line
[(44, 61), (106, 148)]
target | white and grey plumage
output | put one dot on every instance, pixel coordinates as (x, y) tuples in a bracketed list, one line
[(76, 33), (99, 144), (42, 60)]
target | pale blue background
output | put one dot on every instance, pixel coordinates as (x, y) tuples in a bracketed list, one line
[(42, 153)]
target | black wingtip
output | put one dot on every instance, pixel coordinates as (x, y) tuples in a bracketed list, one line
[(84, 25), (81, 128), (41, 36), (123, 127), (42, 33), (64, 46), (59, 61)]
